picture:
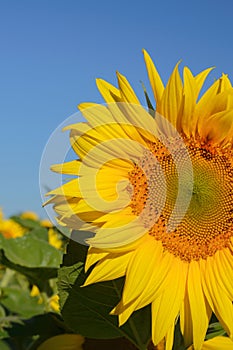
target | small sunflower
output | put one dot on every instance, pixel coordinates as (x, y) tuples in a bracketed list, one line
[(9, 228), (53, 236), (175, 255), (29, 215)]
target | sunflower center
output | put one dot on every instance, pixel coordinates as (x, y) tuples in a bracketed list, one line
[(206, 224)]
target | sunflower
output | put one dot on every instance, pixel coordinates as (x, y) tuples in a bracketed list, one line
[(155, 186), (9, 228)]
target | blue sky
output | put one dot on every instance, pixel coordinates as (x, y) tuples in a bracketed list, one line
[(52, 51)]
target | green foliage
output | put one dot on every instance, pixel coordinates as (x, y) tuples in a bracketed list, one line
[(215, 329), (20, 302), (30, 333), (32, 256), (38, 275), (4, 345), (45, 325), (30, 251), (178, 338), (148, 101)]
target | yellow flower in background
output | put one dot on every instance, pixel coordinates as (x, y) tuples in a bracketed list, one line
[(53, 301), (53, 236), (9, 228), (54, 239), (29, 215), (46, 223), (178, 259), (36, 293)]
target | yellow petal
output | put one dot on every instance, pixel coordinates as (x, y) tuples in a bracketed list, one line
[(225, 83), (214, 100), (200, 79), (219, 127), (143, 266), (216, 297), (109, 268), (95, 114), (200, 320), (172, 97), (66, 209), (69, 189), (143, 123), (93, 256), (224, 272), (170, 337), (102, 145), (127, 93), (191, 90), (185, 123), (71, 167), (128, 247), (113, 237), (158, 282), (166, 307), (186, 324), (218, 343), (80, 128), (109, 92), (155, 80)]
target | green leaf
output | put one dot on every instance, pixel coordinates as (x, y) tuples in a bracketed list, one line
[(38, 276), (2, 311), (178, 343), (40, 233), (6, 322), (45, 325), (149, 104), (20, 302), (30, 333), (113, 344), (215, 329), (86, 310), (27, 223), (4, 345), (30, 251), (3, 334)]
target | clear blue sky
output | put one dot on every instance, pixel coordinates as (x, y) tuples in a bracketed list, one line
[(51, 51)]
